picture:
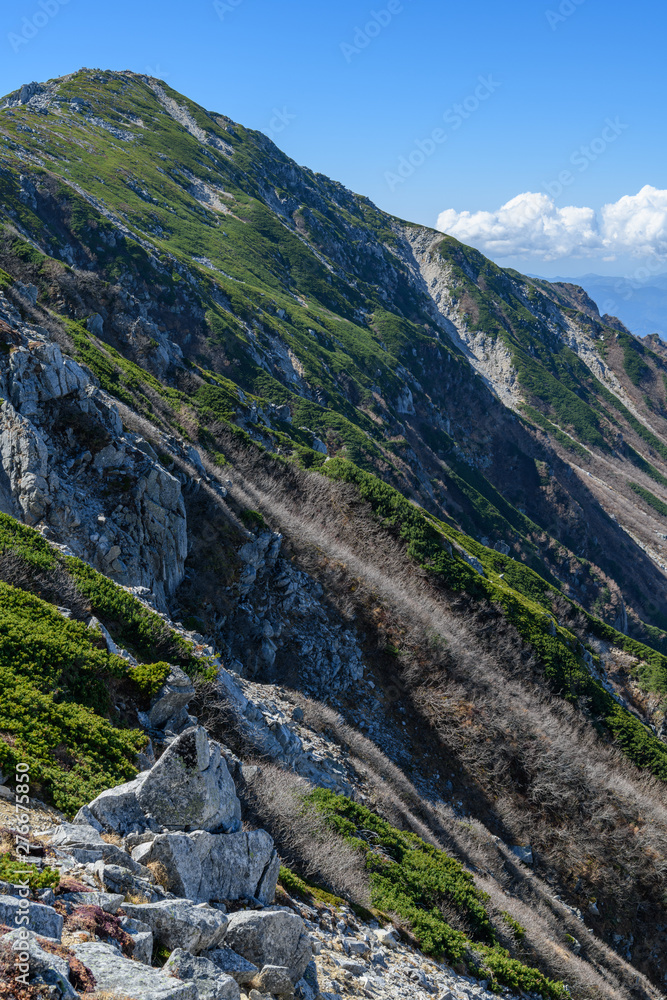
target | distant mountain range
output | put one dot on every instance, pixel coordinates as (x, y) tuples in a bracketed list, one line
[(641, 306)]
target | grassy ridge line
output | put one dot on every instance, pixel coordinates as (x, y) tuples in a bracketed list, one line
[(413, 880), (558, 649)]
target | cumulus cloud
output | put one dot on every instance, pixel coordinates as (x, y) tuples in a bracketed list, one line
[(532, 225)]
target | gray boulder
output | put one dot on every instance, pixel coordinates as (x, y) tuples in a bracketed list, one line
[(205, 866), (190, 787), (45, 968), (43, 919), (180, 923), (86, 845), (117, 809), (122, 977), (119, 880), (108, 901), (236, 966), (271, 937), (171, 700), (211, 983), (142, 936), (274, 979)]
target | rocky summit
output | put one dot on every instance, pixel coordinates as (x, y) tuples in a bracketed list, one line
[(333, 586)]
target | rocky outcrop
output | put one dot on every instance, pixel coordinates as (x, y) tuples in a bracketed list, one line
[(271, 937), (282, 626), (68, 467), (189, 788), (205, 866), (123, 977)]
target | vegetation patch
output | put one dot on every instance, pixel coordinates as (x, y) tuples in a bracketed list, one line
[(419, 883)]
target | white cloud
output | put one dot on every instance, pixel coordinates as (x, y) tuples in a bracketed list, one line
[(531, 225)]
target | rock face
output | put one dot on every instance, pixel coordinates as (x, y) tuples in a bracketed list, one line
[(282, 627), (179, 923), (210, 982), (68, 466), (123, 977), (271, 937), (169, 707), (43, 919), (205, 866), (189, 788)]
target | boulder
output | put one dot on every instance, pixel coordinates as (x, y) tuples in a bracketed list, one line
[(271, 937), (171, 699), (190, 787), (117, 809), (274, 979), (45, 968), (119, 880), (142, 936), (180, 923), (107, 901), (121, 977), (211, 983), (43, 919), (86, 845), (205, 866), (233, 965)]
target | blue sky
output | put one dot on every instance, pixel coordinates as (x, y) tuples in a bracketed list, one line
[(543, 87)]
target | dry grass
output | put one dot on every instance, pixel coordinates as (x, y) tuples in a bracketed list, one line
[(529, 767), (304, 841)]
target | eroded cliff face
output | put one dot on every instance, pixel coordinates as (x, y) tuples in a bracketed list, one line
[(70, 469)]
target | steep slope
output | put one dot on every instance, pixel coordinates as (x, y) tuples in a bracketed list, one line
[(366, 465)]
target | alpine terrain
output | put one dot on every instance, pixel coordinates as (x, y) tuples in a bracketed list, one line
[(333, 585)]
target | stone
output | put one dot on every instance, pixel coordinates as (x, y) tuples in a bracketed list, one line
[(142, 936), (524, 854), (122, 977), (210, 982), (354, 968), (387, 937), (76, 835), (271, 937), (119, 880), (45, 968), (108, 901), (204, 866), (274, 979), (190, 787), (355, 947), (233, 965), (43, 920), (172, 697), (117, 809), (180, 923)]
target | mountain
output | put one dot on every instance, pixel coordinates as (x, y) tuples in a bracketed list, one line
[(641, 302), (414, 498)]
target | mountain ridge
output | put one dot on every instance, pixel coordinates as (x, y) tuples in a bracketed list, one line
[(395, 460)]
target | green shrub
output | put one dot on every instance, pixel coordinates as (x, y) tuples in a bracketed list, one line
[(419, 882), (20, 873), (149, 677), (253, 519), (650, 498)]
